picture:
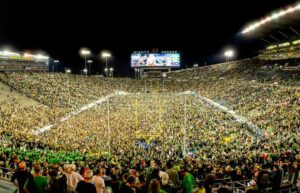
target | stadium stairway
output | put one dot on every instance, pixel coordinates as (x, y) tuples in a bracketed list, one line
[(6, 187)]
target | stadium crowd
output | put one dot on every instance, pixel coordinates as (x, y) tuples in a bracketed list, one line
[(142, 141)]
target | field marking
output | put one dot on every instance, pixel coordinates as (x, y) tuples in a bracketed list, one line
[(80, 110), (240, 119)]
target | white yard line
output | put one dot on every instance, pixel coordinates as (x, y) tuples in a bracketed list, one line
[(240, 119), (80, 110)]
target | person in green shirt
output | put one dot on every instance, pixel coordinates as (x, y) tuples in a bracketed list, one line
[(41, 182), (188, 181)]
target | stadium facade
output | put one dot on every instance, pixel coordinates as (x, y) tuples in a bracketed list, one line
[(16, 61)]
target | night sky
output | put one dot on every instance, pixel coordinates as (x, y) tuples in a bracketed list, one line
[(199, 30)]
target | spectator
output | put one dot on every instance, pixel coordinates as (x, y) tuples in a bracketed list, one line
[(106, 178), (73, 177), (224, 188), (58, 179), (173, 174), (129, 186), (98, 181), (188, 181), (154, 187), (24, 179), (276, 178), (41, 182), (141, 184), (201, 188), (86, 186)]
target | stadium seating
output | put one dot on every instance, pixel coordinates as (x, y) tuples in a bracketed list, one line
[(126, 130)]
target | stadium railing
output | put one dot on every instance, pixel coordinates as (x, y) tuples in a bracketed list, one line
[(5, 174)]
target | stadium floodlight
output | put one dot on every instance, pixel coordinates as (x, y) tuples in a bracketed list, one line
[(228, 54), (9, 53), (27, 55), (111, 70), (106, 55), (85, 71), (277, 15), (270, 18), (85, 52), (41, 57), (296, 42)]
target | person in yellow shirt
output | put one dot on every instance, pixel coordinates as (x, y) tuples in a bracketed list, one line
[(201, 188)]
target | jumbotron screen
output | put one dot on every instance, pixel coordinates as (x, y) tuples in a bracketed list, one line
[(155, 60)]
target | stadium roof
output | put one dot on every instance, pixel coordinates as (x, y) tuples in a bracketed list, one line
[(278, 26)]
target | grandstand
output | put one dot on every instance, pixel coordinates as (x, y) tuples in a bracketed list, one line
[(224, 106), (285, 52), (13, 62), (8, 95), (279, 33), (232, 125)]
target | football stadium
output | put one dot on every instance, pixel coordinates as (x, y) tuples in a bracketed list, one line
[(230, 126)]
